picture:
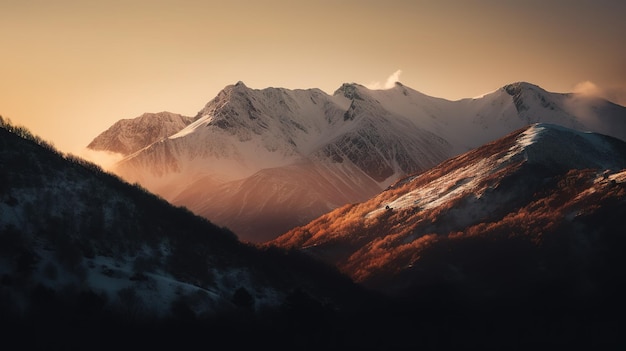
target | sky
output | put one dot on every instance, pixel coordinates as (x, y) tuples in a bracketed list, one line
[(70, 69)]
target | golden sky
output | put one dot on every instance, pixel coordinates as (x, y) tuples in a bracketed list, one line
[(70, 69)]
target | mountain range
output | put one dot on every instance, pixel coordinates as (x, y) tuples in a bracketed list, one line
[(262, 161), (514, 244)]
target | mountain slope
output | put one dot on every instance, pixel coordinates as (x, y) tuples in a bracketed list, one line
[(331, 150), (534, 213), (83, 251)]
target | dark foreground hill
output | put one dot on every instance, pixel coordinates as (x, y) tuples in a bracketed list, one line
[(88, 261)]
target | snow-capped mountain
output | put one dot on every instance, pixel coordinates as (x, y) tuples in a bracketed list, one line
[(262, 161), (129, 135), (541, 205)]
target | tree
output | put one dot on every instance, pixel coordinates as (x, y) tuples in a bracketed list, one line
[(243, 299)]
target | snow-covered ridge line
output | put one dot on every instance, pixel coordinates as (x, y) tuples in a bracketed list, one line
[(468, 178), (382, 135)]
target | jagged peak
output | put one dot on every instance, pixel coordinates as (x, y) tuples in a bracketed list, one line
[(160, 115), (225, 94), (239, 86), (517, 88), (350, 91)]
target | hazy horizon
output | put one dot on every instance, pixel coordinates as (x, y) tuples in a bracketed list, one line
[(70, 69)]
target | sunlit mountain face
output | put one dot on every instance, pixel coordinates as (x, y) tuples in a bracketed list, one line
[(261, 162), (534, 218)]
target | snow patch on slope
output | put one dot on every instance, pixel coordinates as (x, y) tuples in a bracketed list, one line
[(443, 189)]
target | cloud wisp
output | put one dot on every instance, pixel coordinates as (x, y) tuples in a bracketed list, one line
[(389, 83), (587, 88), (104, 159), (615, 94)]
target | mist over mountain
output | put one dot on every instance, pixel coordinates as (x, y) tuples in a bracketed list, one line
[(261, 161)]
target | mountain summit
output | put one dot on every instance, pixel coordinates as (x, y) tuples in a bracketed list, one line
[(129, 135), (261, 161)]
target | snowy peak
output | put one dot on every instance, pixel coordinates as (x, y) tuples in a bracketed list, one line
[(352, 91), (517, 88), (553, 145), (537, 152), (130, 135), (356, 138), (526, 95), (270, 116)]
